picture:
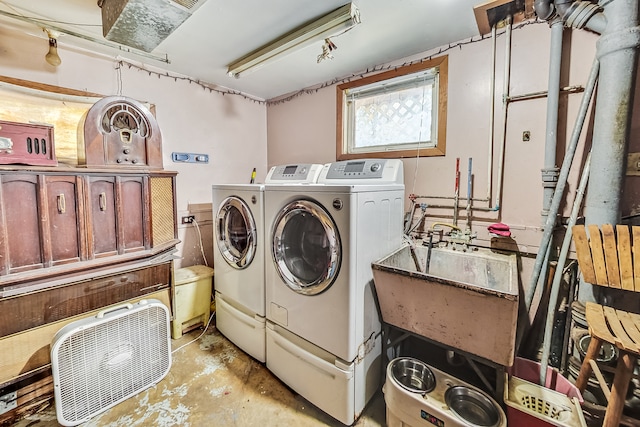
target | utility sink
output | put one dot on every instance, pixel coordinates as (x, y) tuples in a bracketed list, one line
[(467, 300)]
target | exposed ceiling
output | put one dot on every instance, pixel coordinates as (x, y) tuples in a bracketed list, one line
[(221, 31)]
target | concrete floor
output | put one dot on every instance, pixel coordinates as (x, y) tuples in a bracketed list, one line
[(213, 383)]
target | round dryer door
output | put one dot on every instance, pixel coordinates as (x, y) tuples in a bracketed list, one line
[(306, 247), (236, 233)]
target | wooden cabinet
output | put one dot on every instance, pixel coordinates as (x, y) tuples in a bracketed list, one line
[(20, 216), (108, 287), (118, 215), (101, 212), (133, 198), (63, 240), (53, 223)]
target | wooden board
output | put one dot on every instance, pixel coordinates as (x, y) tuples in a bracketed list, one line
[(611, 256), (29, 399), (583, 252), (597, 255), (636, 257), (597, 323), (625, 257)]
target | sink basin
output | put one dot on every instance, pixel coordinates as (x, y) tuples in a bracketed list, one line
[(468, 300)]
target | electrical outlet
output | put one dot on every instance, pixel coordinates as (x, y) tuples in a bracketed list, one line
[(188, 219)]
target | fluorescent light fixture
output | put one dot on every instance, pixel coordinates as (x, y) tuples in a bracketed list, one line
[(329, 25)]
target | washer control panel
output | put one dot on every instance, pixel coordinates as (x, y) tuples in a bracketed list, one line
[(295, 173), (380, 171)]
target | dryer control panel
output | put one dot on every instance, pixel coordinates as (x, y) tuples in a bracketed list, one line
[(305, 173), (378, 171)]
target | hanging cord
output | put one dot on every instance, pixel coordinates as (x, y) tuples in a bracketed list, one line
[(194, 222), (119, 77), (198, 337), (415, 173)]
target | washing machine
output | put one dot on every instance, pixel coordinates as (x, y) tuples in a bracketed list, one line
[(239, 256), (323, 326)]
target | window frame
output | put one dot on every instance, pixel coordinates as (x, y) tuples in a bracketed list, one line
[(440, 147)]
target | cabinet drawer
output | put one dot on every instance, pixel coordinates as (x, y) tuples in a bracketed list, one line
[(32, 310)]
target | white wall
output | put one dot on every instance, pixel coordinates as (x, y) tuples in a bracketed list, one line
[(231, 129)]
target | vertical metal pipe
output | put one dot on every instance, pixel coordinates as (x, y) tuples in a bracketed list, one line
[(550, 170), (469, 183), (492, 115), (505, 109), (457, 193), (617, 51), (562, 182), (555, 287)]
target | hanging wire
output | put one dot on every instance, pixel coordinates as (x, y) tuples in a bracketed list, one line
[(175, 78), (314, 89), (119, 77), (198, 337), (376, 69), (305, 91), (415, 174), (200, 239)]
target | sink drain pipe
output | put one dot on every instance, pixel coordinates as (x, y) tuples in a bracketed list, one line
[(577, 14), (550, 170), (562, 182)]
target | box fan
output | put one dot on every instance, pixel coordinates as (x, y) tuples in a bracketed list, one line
[(100, 361)]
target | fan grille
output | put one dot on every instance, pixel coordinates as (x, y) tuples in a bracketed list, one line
[(99, 366)]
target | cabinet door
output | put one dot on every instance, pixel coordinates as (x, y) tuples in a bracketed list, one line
[(132, 201), (21, 233), (102, 236), (64, 235)]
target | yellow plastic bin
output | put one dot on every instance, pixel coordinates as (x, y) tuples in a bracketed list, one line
[(192, 300)]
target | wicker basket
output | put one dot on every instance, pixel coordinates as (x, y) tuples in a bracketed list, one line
[(532, 405)]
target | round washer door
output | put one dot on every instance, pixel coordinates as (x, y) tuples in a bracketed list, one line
[(236, 233), (306, 247)]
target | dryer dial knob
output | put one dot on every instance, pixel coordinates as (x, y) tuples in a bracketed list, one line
[(337, 204), (375, 167)]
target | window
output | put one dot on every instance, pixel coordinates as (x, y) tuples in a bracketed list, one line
[(398, 113)]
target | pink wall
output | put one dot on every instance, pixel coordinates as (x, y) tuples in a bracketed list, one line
[(303, 129), (231, 129)]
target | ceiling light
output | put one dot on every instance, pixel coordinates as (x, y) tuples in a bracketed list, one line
[(52, 56), (329, 25)]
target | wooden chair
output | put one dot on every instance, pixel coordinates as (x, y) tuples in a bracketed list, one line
[(610, 257)]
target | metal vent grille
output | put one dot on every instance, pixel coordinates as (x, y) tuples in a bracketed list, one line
[(189, 4), (101, 361), (162, 214)]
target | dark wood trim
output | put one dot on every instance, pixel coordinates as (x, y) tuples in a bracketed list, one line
[(442, 63), (49, 88)]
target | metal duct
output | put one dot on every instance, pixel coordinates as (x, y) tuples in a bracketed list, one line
[(144, 24)]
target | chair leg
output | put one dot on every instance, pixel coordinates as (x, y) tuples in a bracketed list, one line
[(624, 371), (585, 369)]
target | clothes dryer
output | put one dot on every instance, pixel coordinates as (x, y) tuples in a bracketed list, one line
[(239, 256), (323, 326)]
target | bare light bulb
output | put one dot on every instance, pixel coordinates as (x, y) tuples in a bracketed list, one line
[(52, 56)]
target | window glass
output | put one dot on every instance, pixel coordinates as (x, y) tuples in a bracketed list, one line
[(400, 113)]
